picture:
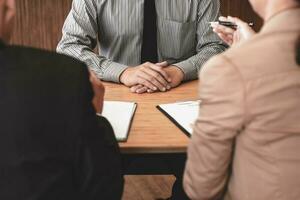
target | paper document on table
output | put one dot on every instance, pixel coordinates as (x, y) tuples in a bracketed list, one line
[(120, 115), (183, 114)]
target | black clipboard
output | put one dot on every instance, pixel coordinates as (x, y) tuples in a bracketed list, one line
[(174, 121)]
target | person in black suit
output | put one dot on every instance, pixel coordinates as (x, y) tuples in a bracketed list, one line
[(52, 145)]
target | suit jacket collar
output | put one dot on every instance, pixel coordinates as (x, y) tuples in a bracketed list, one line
[(2, 45), (287, 20)]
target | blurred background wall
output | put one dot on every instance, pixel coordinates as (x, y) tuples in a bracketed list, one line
[(39, 22)]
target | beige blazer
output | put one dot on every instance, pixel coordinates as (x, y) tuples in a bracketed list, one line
[(250, 119)]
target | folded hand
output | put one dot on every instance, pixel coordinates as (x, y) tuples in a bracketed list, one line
[(173, 72), (148, 74)]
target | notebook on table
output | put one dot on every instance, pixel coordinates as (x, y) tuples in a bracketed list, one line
[(183, 114), (120, 115)]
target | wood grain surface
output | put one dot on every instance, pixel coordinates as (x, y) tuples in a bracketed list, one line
[(39, 23), (151, 131)]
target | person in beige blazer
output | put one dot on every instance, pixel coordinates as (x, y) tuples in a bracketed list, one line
[(246, 141)]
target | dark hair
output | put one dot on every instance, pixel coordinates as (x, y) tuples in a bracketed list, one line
[(298, 50)]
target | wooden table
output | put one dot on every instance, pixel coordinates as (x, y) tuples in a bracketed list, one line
[(151, 131)]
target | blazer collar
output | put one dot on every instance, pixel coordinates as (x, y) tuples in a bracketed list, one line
[(287, 20)]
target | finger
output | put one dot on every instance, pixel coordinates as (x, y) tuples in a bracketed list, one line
[(225, 19), (239, 23), (226, 38), (246, 30), (236, 20), (222, 18), (147, 80), (214, 24), (233, 20), (134, 88), (156, 77), (236, 37), (163, 64), (223, 29), (161, 71), (153, 77), (150, 91), (142, 90)]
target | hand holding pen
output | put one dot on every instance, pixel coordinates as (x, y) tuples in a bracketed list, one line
[(232, 30)]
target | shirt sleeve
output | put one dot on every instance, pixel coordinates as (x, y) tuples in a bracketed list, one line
[(222, 115), (80, 39), (209, 44)]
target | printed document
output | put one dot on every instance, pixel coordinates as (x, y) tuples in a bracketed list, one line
[(120, 115), (183, 114)]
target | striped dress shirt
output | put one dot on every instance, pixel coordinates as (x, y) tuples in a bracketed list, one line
[(184, 37)]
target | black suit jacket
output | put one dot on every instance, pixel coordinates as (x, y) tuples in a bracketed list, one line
[(52, 145)]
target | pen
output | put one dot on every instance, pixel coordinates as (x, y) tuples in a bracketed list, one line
[(229, 24)]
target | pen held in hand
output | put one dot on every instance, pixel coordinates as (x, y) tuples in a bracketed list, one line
[(229, 24)]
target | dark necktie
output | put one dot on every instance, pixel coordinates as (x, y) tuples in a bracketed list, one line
[(149, 46)]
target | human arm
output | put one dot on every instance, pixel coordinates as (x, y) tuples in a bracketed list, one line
[(80, 38), (208, 44), (222, 115)]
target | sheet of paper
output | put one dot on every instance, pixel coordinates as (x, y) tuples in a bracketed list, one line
[(183, 113), (120, 115)]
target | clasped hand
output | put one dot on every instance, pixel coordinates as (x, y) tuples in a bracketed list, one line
[(150, 77)]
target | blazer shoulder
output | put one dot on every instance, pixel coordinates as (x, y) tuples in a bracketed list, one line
[(33, 56), (266, 54)]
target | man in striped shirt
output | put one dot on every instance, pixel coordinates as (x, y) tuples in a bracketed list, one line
[(150, 46)]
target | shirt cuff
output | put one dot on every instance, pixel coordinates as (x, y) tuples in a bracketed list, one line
[(189, 70), (113, 72)]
